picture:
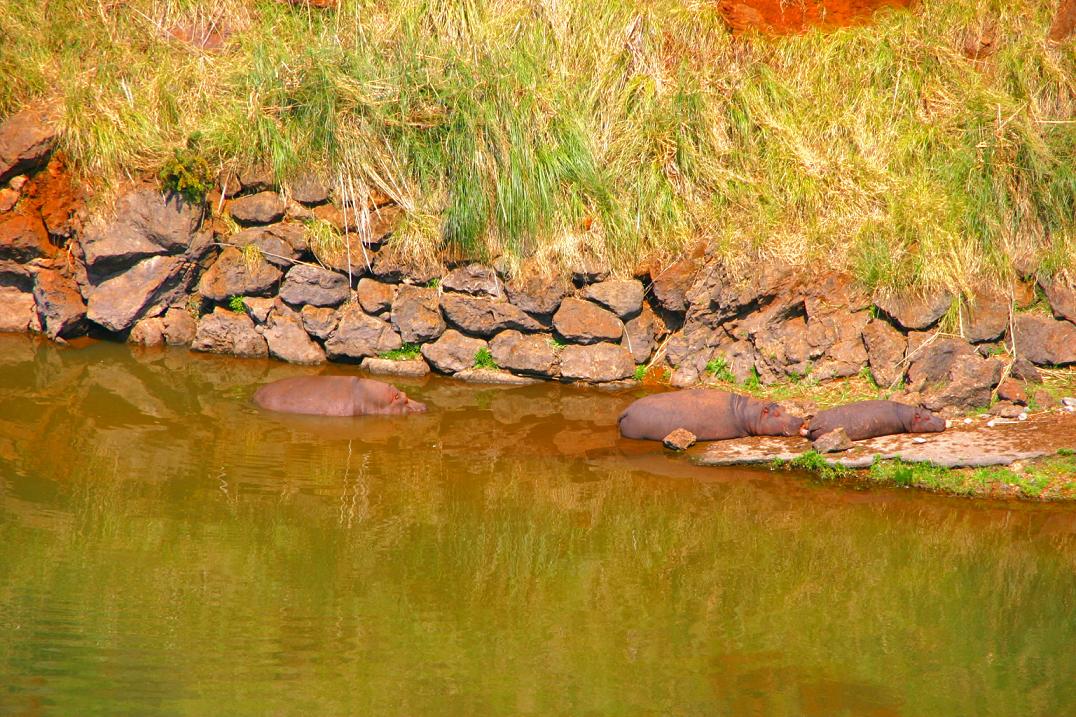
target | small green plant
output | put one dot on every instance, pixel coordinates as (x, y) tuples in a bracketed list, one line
[(718, 367), (816, 463), (754, 381), (406, 352), (640, 372), (556, 343), (484, 359), (1066, 452), (433, 283), (238, 304), (187, 172), (866, 375)]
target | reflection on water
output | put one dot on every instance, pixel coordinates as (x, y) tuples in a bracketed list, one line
[(167, 547)]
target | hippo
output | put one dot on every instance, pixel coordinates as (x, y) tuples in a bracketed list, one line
[(335, 396), (711, 415), (868, 419)]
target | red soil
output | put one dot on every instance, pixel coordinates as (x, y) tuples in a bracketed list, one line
[(783, 17), (53, 195)]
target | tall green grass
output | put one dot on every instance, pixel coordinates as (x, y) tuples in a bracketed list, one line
[(553, 128)]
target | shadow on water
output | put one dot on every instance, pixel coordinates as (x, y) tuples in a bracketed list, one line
[(166, 546)]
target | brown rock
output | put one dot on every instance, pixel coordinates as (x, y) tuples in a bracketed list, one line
[(332, 215), (416, 314), (526, 353), (413, 368), (1006, 409), (474, 279), (319, 321), (309, 190), (452, 352), (1023, 293), (586, 323), (624, 297), (483, 316), (916, 312), (274, 245), (987, 319), (1045, 341), (145, 289), (493, 376), (359, 335), (597, 363), (535, 294), (312, 285), (1012, 390), (1024, 370), (969, 384), (227, 332), (257, 179), (642, 334), (179, 327), (17, 309), (670, 286), (26, 140), (679, 440), (1044, 400), (146, 224), (8, 199), (936, 360), (23, 238), (259, 308), (60, 307), (233, 275), (1062, 297), (375, 296), (260, 208), (589, 269), (392, 265), (287, 340), (147, 332), (833, 442)]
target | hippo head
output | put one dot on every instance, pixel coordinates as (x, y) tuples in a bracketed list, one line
[(385, 399), (774, 420), (923, 421)]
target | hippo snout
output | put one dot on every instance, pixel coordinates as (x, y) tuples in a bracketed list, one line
[(415, 406), (794, 426)]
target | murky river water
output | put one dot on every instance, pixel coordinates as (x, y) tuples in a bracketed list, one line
[(167, 548)]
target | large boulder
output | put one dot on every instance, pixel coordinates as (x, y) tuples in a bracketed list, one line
[(228, 332), (277, 244), (474, 279), (375, 296), (416, 314), (969, 383), (359, 335), (26, 140), (17, 309), (1061, 293), (146, 289), (260, 208), (485, 317), (146, 224), (916, 311), (670, 286), (624, 297), (23, 238), (288, 340), (597, 363), (175, 328), (642, 333), (987, 318), (452, 352), (1045, 341), (585, 323), (526, 353), (885, 352), (233, 274), (935, 361), (535, 294), (771, 290), (310, 190), (311, 285), (60, 307)]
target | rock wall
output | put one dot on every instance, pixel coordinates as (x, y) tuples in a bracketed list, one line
[(245, 275)]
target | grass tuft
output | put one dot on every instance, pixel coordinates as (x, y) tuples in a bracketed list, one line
[(484, 359), (407, 352)]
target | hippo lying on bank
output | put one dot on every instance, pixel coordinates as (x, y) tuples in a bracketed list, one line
[(869, 419), (335, 396), (711, 415)]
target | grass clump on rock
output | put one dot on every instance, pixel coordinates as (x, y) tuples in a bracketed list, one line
[(407, 352), (623, 128), (484, 359)]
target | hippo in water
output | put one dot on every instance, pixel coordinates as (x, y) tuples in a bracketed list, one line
[(868, 419), (335, 396), (711, 415)]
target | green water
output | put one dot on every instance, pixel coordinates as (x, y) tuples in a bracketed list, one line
[(166, 548)]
